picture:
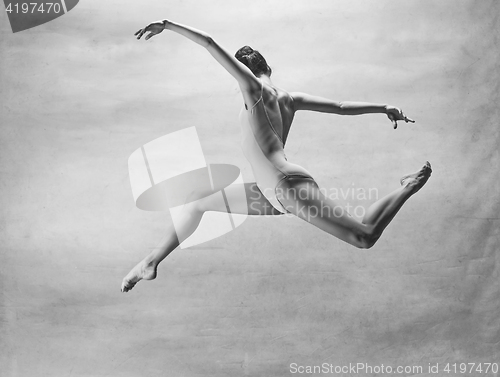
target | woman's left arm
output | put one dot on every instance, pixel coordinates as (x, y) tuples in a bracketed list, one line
[(303, 101)]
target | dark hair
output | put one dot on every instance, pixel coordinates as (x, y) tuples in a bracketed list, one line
[(254, 60)]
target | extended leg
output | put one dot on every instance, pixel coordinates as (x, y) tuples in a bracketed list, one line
[(255, 204), (302, 197)]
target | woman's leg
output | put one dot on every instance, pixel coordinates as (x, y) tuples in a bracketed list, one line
[(254, 204), (302, 197), (383, 211)]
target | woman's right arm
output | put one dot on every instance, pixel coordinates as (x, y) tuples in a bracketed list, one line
[(239, 71)]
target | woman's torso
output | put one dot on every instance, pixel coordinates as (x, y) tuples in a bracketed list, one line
[(265, 128)]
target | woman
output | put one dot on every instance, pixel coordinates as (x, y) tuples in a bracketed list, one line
[(280, 186)]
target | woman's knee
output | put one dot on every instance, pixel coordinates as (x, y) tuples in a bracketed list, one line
[(367, 243), (366, 239)]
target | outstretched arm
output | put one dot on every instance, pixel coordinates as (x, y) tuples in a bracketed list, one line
[(303, 101), (239, 71)]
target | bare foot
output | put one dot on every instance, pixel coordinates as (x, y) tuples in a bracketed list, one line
[(417, 180), (144, 270)]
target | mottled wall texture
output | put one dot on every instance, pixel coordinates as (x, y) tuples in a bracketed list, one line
[(80, 94)]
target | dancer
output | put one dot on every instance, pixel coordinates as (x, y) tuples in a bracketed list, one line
[(280, 186)]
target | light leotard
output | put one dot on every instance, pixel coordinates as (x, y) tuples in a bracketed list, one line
[(263, 147)]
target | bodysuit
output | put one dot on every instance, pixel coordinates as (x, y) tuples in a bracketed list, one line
[(263, 147)]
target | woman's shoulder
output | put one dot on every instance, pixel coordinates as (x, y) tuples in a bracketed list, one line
[(278, 93), (280, 97), (284, 97)]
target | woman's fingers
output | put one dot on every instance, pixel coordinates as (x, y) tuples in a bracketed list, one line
[(393, 120), (396, 114), (141, 33), (153, 30), (409, 120), (406, 119)]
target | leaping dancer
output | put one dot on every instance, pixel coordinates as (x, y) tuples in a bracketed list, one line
[(265, 122)]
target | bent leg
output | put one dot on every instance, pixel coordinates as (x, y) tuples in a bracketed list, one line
[(302, 197), (254, 203)]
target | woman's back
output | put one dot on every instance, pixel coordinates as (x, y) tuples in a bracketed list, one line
[(265, 127)]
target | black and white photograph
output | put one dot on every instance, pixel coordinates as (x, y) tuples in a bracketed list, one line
[(249, 188)]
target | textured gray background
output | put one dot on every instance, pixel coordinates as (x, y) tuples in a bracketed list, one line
[(80, 94)]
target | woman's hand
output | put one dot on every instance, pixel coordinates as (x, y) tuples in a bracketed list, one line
[(395, 114), (153, 28)]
